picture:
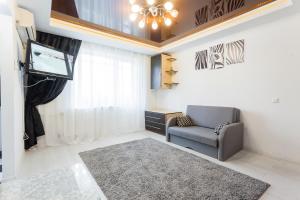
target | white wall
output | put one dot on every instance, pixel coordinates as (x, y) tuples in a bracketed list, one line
[(271, 70), (12, 108)]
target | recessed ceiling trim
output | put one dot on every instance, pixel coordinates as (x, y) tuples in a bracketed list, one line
[(68, 22), (245, 15), (63, 21)]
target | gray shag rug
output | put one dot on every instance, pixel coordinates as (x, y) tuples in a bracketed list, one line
[(148, 169)]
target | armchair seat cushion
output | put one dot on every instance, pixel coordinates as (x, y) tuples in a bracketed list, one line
[(196, 133)]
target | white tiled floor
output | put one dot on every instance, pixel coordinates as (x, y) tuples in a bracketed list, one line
[(284, 177), (71, 183)]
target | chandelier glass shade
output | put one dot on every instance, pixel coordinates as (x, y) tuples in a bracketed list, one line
[(152, 12)]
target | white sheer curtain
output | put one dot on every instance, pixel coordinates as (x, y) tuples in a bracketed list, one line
[(107, 96), (113, 14)]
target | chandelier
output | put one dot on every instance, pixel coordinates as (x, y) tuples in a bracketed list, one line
[(153, 12)]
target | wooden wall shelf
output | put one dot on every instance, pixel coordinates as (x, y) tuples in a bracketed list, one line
[(171, 84), (172, 59), (172, 71), (162, 72)]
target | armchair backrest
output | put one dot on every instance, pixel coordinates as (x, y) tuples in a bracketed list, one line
[(210, 116)]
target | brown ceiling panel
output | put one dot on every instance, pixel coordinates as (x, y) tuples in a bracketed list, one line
[(67, 7), (64, 12)]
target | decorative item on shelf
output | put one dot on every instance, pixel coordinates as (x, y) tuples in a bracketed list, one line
[(153, 12)]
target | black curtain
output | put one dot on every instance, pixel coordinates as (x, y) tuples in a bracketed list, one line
[(47, 91)]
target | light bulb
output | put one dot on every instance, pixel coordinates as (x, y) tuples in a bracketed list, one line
[(154, 25), (135, 8), (168, 22), (174, 13), (133, 16), (142, 23), (168, 6), (150, 2), (131, 1)]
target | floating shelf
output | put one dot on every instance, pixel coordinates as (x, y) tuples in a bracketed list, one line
[(171, 59), (170, 84), (171, 71)]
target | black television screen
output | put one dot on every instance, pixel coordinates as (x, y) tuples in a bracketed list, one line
[(47, 61)]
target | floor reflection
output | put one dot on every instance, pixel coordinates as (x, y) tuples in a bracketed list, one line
[(74, 183)]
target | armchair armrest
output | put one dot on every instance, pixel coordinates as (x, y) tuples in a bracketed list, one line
[(230, 140), (171, 122)]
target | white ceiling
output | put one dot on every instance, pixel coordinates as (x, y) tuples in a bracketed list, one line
[(42, 8)]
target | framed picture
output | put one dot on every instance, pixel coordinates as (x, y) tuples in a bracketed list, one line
[(235, 52), (201, 60), (216, 56)]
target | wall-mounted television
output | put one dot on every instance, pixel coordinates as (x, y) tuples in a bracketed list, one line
[(48, 61)]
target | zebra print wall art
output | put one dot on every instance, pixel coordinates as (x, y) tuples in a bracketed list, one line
[(216, 56), (235, 52), (201, 16), (217, 8), (233, 5), (201, 60)]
